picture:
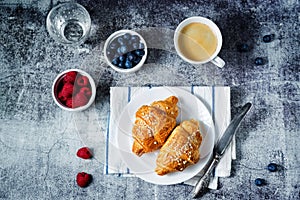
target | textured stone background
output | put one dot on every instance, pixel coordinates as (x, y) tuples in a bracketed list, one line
[(38, 141)]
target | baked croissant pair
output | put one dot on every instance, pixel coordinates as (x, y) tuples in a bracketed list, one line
[(154, 129)]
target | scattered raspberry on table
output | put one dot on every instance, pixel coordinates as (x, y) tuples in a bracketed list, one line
[(84, 153), (83, 179)]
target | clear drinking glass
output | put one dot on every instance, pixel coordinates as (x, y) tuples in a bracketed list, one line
[(69, 23)]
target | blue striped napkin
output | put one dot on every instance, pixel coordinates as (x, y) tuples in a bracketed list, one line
[(217, 99)]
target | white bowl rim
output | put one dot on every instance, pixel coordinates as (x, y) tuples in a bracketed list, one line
[(122, 32), (93, 87)]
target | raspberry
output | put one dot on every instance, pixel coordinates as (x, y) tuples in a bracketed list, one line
[(69, 103), (70, 77), (80, 100), (82, 81), (83, 179), (61, 97), (84, 153), (67, 90), (86, 91)]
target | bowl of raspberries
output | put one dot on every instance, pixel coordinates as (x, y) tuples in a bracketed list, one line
[(74, 90), (125, 51)]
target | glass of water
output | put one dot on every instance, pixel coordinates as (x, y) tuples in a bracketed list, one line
[(69, 23)]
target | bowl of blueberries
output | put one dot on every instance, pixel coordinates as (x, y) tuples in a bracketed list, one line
[(125, 51)]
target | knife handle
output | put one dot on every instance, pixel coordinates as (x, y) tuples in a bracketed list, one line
[(203, 182)]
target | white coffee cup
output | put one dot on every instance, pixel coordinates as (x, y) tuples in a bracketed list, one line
[(215, 48)]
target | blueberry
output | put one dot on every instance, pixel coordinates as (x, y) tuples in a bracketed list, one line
[(259, 181), (268, 38), (115, 61), (122, 58), (140, 52), (272, 167), (121, 64), (126, 36), (135, 38), (243, 48), (128, 64), (130, 56), (123, 49), (259, 61), (135, 45), (119, 51), (137, 60), (113, 45), (141, 45), (129, 43), (121, 40)]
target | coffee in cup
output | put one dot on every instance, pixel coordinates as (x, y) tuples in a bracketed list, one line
[(198, 40)]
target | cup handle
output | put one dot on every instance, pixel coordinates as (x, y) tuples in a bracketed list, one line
[(218, 61)]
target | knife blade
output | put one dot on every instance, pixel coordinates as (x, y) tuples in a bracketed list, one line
[(220, 148)]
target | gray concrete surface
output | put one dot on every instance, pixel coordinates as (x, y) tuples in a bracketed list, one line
[(38, 141)]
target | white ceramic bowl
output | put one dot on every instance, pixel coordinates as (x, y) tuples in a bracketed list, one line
[(56, 85), (116, 35)]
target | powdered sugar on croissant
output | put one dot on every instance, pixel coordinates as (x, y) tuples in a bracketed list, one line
[(153, 125), (181, 149)]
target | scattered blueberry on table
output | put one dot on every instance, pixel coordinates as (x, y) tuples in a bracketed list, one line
[(126, 51), (272, 167), (243, 47), (268, 38), (259, 182), (259, 61)]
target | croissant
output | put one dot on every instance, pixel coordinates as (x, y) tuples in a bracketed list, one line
[(181, 148), (153, 125)]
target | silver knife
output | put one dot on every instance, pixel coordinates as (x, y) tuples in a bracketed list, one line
[(219, 150)]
